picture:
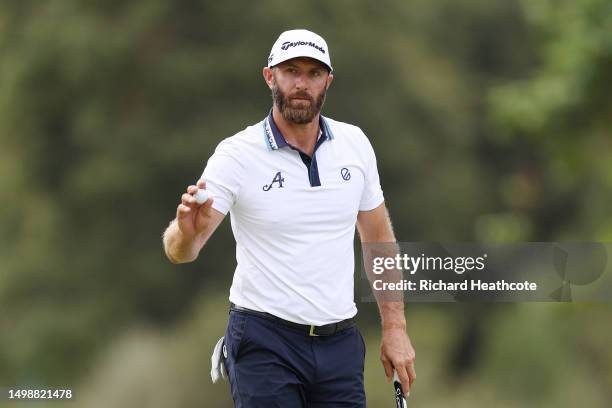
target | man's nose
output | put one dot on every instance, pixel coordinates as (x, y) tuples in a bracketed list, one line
[(301, 81)]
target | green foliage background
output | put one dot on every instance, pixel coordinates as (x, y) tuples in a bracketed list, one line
[(491, 122)]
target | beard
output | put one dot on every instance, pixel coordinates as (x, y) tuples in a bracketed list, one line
[(297, 111)]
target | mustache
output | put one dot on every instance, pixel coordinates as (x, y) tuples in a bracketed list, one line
[(301, 95)]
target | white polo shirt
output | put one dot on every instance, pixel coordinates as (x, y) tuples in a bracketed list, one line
[(294, 217)]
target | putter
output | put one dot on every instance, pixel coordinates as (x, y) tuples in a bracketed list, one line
[(400, 401)]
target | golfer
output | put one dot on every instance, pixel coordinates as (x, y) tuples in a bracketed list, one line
[(295, 184)]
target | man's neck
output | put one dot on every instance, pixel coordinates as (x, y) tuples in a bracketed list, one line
[(301, 136)]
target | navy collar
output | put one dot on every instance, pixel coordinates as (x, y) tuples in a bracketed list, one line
[(275, 139)]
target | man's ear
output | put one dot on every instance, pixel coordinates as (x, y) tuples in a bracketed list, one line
[(330, 78), (268, 76)]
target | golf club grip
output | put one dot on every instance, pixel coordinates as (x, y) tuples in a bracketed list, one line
[(400, 401)]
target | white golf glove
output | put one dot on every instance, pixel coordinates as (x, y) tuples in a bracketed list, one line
[(217, 369)]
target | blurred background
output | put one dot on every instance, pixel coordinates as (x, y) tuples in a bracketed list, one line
[(490, 120)]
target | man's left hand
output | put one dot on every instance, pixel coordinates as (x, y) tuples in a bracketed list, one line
[(396, 352)]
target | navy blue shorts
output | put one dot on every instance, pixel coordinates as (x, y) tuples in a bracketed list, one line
[(272, 365)]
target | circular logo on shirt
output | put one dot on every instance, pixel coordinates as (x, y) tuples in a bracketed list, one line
[(345, 173)]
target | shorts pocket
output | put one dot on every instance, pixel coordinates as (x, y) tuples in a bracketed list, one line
[(234, 336), (362, 342)]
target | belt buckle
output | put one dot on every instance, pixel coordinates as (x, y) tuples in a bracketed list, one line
[(311, 332)]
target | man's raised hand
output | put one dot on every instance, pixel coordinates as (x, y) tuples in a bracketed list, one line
[(193, 218)]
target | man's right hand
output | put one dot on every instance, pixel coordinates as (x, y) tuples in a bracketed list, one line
[(192, 227), (193, 218)]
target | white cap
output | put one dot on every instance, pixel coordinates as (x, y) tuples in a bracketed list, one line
[(299, 43)]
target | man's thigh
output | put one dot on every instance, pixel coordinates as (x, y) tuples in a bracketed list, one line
[(340, 363), (261, 373)]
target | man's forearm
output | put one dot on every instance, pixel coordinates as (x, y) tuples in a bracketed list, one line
[(390, 303), (392, 315), (178, 248), (378, 240)]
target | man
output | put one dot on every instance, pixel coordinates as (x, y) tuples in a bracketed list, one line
[(295, 184)]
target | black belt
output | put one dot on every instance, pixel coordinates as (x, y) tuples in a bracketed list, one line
[(311, 330)]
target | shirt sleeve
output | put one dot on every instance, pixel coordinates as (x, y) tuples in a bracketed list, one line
[(223, 176), (372, 195)]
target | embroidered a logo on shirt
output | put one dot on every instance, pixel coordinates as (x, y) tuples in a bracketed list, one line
[(345, 173), (278, 178)]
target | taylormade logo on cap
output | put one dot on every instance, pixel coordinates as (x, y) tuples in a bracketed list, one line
[(299, 43), (288, 44)]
